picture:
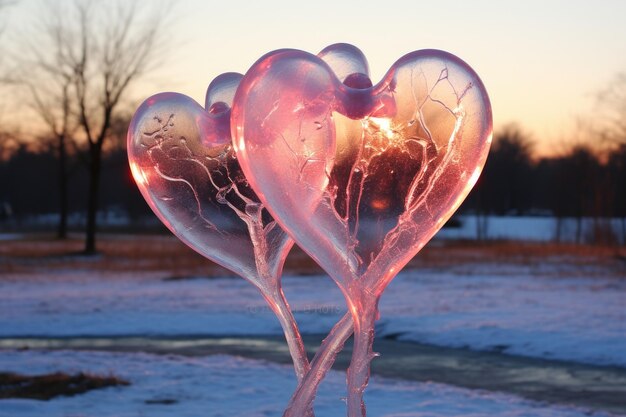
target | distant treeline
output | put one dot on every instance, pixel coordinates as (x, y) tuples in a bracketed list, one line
[(578, 184), (29, 181)]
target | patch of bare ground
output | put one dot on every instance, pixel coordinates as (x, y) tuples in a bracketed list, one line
[(152, 253), (46, 387), (117, 254)]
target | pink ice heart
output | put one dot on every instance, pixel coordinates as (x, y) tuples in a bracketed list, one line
[(361, 176), (182, 159)]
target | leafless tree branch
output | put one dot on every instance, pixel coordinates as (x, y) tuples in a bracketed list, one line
[(82, 65), (612, 110)]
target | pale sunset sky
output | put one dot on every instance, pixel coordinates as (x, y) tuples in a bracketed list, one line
[(542, 61)]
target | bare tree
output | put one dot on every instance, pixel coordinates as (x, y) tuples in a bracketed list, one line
[(8, 142), (610, 126), (507, 171), (617, 169), (612, 111), (8, 145), (48, 78), (100, 49)]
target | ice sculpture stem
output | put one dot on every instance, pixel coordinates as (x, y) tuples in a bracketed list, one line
[(364, 315), (279, 305), (303, 398)]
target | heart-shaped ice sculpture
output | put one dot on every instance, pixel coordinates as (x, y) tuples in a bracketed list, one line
[(361, 176), (183, 162), (182, 159)]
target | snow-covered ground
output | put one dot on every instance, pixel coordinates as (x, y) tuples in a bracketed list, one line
[(10, 236), (516, 309), (552, 308), (531, 228), (221, 386)]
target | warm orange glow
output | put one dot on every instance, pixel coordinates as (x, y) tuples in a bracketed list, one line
[(380, 204), (139, 176), (384, 125)]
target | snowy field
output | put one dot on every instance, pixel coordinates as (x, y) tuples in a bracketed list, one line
[(516, 309), (561, 305), (530, 228), (221, 386)]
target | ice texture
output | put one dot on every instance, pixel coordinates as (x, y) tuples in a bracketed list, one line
[(360, 175)]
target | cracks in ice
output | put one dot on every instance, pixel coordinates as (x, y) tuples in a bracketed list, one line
[(417, 200), (161, 137), (222, 187), (359, 168), (306, 155), (379, 136)]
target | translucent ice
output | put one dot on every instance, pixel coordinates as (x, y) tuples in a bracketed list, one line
[(361, 175), (182, 159)]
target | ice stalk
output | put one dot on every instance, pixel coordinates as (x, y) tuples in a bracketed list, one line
[(270, 270), (304, 395), (364, 316), (280, 307)]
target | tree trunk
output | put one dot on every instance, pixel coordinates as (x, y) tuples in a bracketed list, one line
[(484, 226), (63, 206), (92, 202)]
